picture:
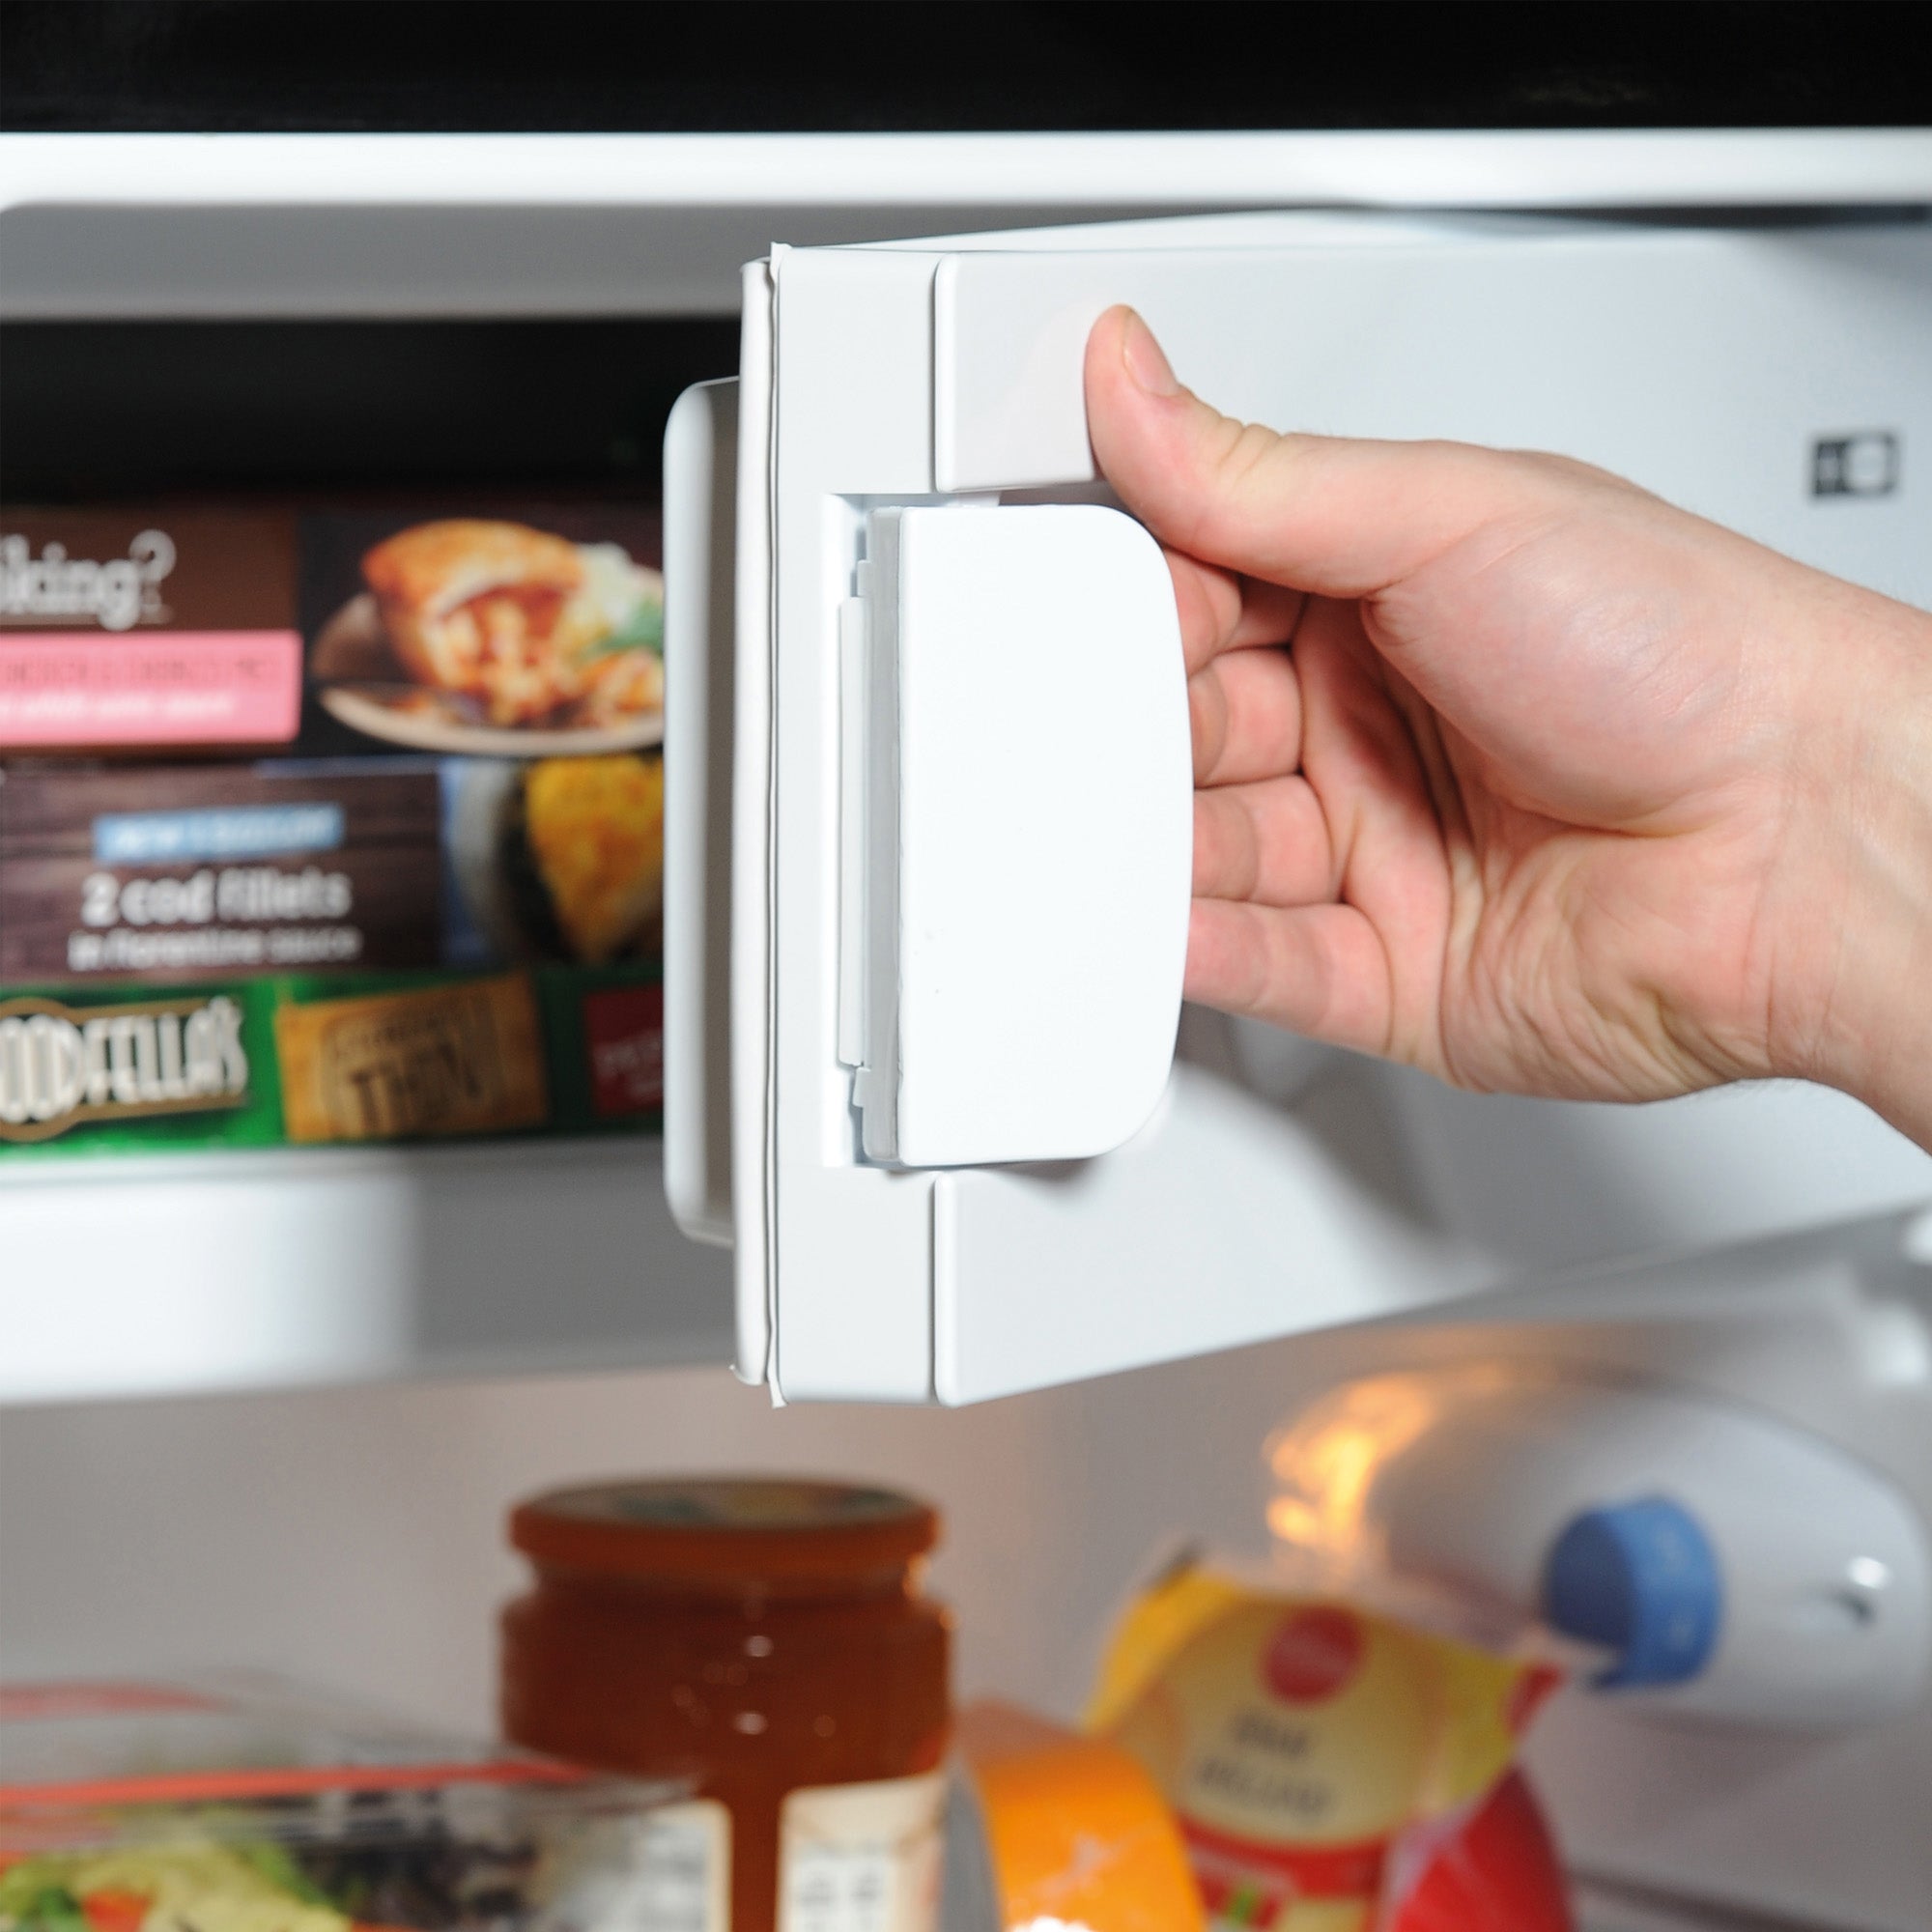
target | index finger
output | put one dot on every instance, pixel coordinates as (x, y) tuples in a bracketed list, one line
[(1221, 610)]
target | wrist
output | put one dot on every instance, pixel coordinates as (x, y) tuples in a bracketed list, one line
[(1851, 996)]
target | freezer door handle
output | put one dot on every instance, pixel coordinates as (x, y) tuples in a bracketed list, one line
[(1016, 832), (700, 548)]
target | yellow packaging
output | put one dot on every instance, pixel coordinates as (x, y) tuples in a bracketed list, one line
[(1312, 1751), (462, 1058)]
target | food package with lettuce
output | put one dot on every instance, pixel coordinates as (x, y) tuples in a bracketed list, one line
[(225, 1806)]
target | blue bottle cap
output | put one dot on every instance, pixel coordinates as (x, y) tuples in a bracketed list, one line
[(1640, 1578)]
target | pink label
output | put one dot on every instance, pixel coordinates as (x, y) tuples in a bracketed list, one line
[(161, 687)]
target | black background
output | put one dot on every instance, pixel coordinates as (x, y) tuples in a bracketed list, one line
[(621, 65), (128, 411), (123, 411)]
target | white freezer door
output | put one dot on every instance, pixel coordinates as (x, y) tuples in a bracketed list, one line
[(951, 1174)]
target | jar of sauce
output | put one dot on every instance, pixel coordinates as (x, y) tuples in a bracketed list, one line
[(769, 1643)]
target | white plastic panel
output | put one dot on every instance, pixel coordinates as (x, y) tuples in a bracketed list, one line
[(1222, 1222), (1705, 365), (1784, 1585), (848, 1255), (1029, 824), (183, 1273), (1555, 1185), (749, 968), (700, 552)]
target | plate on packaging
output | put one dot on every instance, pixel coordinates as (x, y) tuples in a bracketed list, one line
[(361, 683)]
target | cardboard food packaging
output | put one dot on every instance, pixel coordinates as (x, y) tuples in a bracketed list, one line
[(149, 628), (465, 629), (435, 911), (1050, 1829), (466, 1058), (167, 871)]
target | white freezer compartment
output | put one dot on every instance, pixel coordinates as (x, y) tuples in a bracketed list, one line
[(906, 425)]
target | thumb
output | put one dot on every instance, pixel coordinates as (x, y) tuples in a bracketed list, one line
[(1336, 516)]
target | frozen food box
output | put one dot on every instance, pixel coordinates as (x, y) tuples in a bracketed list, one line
[(118, 872), (465, 628), (225, 1806), (146, 628), (437, 912), (345, 1057)]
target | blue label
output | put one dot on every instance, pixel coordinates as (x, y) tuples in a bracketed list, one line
[(225, 832)]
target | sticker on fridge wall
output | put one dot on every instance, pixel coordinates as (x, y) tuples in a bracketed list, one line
[(862, 1857), (1865, 462)]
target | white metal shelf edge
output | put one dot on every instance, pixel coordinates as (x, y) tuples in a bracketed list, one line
[(311, 226), (1532, 168), (283, 1268)]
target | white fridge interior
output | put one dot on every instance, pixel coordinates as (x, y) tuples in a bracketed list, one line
[(343, 1364)]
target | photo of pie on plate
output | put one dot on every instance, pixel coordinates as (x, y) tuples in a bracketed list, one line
[(485, 637)]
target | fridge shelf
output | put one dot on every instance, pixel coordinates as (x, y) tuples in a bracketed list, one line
[(313, 226), (180, 1273), (121, 1279)]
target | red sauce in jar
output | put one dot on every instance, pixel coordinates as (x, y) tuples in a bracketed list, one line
[(759, 1638)]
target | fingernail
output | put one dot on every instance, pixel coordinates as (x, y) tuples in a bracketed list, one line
[(1146, 365)]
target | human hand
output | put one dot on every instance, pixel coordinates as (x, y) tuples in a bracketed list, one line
[(1510, 771)]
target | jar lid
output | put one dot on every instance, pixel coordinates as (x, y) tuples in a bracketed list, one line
[(724, 1525)]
